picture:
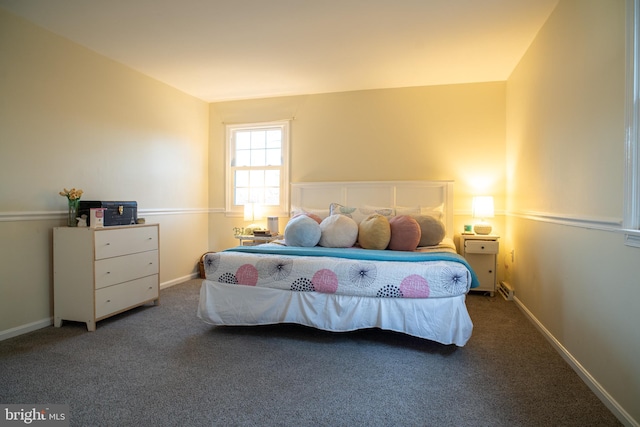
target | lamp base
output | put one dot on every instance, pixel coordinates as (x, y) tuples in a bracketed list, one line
[(251, 228), (482, 228)]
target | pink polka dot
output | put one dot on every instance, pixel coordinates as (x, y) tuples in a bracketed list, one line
[(325, 281), (414, 286), (247, 274)]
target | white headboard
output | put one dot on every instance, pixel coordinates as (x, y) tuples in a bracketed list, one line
[(319, 195)]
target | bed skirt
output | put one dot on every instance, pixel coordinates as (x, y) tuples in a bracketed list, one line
[(444, 320)]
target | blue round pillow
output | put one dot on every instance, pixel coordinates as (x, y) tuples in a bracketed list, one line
[(302, 231)]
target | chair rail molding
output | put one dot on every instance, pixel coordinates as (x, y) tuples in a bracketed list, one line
[(595, 223), (14, 216)]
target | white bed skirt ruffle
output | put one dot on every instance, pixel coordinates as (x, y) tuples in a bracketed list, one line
[(444, 320)]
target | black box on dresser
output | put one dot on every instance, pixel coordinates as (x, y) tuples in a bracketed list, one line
[(115, 213)]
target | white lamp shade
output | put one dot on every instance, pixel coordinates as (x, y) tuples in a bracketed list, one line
[(482, 207), (253, 212)]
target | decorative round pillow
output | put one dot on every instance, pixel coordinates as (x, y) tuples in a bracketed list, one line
[(405, 233), (431, 230), (302, 231), (374, 232), (338, 231)]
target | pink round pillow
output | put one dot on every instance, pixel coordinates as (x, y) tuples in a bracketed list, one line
[(374, 232), (405, 233), (313, 216)]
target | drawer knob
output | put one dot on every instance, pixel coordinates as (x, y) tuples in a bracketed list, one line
[(108, 272), (481, 247), (108, 244), (108, 300)]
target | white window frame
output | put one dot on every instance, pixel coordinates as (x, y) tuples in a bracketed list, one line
[(238, 210), (631, 220)]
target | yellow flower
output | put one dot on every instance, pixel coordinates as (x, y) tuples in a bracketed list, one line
[(72, 194)]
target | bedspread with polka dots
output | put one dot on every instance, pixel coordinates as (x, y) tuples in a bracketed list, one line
[(386, 279)]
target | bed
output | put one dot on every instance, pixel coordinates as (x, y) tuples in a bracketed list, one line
[(420, 292)]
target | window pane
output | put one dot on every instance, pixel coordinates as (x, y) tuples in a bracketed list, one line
[(256, 178), (272, 178), (272, 196), (274, 138), (243, 140), (241, 196), (258, 139), (273, 157), (257, 158), (242, 178), (243, 158), (256, 195)]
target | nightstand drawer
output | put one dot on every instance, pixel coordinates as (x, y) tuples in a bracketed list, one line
[(480, 247)]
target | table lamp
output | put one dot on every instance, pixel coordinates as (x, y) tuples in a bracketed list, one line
[(253, 213), (482, 208)]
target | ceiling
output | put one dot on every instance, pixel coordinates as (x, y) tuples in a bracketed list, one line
[(220, 50)]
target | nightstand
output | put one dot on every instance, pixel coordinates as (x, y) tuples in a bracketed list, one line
[(481, 252), (251, 240)]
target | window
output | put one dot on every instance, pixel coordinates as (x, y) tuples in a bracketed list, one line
[(632, 167), (258, 167)]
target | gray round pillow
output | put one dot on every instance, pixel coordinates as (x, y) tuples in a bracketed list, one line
[(432, 230)]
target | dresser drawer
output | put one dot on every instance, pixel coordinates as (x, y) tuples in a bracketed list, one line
[(123, 241), (125, 295), (110, 271), (480, 247)]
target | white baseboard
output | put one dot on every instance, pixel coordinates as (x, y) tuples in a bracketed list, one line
[(33, 326), (23, 329), (591, 382), (165, 285)]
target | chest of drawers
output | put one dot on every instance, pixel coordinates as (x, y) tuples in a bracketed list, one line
[(101, 272)]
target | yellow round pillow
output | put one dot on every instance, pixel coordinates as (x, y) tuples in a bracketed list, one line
[(374, 232)]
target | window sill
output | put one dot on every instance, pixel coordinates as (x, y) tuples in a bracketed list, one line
[(632, 238)]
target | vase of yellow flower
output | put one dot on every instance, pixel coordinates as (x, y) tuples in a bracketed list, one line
[(73, 197)]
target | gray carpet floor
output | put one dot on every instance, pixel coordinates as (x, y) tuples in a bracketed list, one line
[(162, 366)]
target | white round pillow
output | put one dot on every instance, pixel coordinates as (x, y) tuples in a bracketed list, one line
[(338, 231), (302, 231)]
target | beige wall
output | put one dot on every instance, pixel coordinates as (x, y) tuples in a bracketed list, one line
[(565, 161), (425, 133), (72, 118), (548, 143)]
